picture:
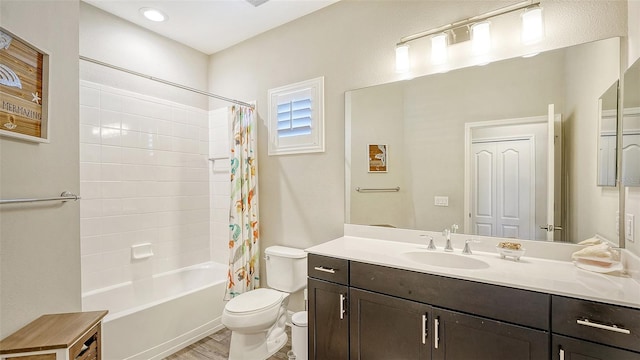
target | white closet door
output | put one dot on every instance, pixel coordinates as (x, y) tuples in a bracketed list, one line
[(483, 215), (514, 189), (631, 159), (502, 189)]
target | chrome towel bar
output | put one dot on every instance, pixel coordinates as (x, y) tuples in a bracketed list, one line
[(65, 196), (395, 189)]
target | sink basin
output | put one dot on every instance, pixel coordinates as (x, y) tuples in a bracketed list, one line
[(446, 260)]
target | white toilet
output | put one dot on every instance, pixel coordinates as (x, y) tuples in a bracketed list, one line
[(257, 318)]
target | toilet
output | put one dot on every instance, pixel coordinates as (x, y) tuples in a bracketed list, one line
[(257, 318)]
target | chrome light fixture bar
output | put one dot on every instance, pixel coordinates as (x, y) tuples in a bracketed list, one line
[(459, 31)]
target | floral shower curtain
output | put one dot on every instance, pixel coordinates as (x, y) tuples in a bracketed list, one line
[(244, 252)]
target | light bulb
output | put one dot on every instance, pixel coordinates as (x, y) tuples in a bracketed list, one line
[(532, 26), (439, 49), (153, 14), (481, 37), (402, 58)]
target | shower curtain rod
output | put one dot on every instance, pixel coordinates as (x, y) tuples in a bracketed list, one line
[(166, 82)]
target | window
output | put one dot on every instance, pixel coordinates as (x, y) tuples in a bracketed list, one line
[(296, 118)]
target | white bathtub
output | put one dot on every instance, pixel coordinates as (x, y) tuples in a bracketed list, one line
[(155, 317)]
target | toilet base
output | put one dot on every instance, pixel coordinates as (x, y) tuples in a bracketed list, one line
[(256, 346)]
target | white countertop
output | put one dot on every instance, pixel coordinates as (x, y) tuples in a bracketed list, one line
[(530, 273)]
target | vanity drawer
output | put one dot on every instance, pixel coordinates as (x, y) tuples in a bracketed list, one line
[(603, 323), (328, 268), (516, 306)]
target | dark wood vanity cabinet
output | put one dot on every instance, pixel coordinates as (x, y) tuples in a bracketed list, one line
[(397, 314), (328, 293), (590, 330), (328, 320), (385, 327), (461, 336)]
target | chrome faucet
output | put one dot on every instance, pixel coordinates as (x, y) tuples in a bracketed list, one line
[(447, 234), (431, 245), (467, 248)]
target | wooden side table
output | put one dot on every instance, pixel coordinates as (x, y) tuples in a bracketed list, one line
[(71, 336)]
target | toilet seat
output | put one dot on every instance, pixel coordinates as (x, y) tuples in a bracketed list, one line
[(254, 301)]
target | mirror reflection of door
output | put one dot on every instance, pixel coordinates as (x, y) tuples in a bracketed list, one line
[(631, 147), (508, 173), (502, 187), (607, 136)]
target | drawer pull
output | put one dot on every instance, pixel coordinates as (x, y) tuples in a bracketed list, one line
[(324, 269), (436, 339), (561, 354), (342, 307), (586, 322), (424, 329)]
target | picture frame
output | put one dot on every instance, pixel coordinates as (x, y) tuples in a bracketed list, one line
[(378, 158), (24, 89)]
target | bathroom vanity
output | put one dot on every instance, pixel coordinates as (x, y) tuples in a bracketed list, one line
[(375, 299)]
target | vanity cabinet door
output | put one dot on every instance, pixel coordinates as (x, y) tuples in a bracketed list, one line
[(328, 320), (566, 348), (459, 336), (385, 327)]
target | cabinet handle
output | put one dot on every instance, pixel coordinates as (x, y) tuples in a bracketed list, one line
[(342, 307), (324, 269), (561, 354), (424, 329), (436, 337), (586, 322)]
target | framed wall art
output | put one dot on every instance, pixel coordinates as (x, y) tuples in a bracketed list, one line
[(378, 158), (24, 102)]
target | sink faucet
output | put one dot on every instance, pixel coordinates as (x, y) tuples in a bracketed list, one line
[(447, 234), (467, 248), (431, 245)]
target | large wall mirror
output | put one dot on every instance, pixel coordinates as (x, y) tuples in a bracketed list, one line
[(506, 149), (631, 127)]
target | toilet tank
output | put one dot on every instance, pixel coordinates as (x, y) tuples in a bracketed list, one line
[(286, 268)]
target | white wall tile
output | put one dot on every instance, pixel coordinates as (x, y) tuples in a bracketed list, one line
[(89, 134), (90, 153), (110, 119), (89, 115), (89, 96), (145, 177)]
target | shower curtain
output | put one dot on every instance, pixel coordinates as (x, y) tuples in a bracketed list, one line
[(244, 252)]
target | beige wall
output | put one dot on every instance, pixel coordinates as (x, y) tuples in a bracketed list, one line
[(351, 44), (591, 69), (115, 41), (40, 244)]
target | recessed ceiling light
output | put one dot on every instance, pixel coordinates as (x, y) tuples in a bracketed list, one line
[(153, 14)]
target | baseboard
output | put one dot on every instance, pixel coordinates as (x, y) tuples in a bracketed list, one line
[(169, 347)]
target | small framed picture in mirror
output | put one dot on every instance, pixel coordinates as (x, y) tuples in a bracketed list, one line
[(378, 158)]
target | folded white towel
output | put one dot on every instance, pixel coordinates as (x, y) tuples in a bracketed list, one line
[(598, 251), (590, 241)]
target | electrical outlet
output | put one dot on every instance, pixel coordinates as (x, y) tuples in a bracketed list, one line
[(441, 201), (629, 227)]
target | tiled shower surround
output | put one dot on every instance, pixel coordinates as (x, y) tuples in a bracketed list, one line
[(143, 179)]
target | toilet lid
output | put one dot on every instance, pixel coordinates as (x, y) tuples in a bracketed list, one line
[(254, 300)]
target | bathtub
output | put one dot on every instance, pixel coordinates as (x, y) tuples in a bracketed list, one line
[(155, 317)]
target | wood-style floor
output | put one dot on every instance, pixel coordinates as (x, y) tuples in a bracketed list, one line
[(216, 347)]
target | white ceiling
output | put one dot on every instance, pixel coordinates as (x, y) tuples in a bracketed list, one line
[(212, 25)]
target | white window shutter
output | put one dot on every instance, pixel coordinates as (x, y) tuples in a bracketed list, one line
[(296, 118)]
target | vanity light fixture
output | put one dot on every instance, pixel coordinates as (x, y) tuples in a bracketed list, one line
[(439, 48), (402, 58), (481, 37), (459, 31), (153, 14), (532, 25)]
